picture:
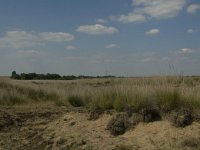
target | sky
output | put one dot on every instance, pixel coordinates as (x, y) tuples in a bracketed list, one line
[(100, 37)]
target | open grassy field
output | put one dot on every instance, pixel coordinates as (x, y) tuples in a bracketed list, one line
[(56, 112), (114, 93)]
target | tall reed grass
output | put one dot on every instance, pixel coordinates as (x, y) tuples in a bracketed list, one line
[(167, 93)]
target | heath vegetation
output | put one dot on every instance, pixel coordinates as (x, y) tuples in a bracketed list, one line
[(166, 93), (54, 113)]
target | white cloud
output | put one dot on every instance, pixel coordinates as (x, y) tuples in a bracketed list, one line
[(102, 21), (70, 47), (159, 9), (187, 50), (130, 18), (28, 53), (18, 39), (193, 8), (111, 46), (153, 32), (96, 29), (56, 36), (148, 9), (23, 39), (192, 30)]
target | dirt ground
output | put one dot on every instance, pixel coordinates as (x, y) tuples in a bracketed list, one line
[(59, 128)]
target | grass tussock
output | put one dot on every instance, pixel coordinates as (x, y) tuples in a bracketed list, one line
[(169, 99)]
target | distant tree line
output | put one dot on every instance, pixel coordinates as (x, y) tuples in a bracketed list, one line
[(48, 76)]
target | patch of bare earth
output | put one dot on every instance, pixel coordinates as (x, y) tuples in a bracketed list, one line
[(24, 127), (71, 130)]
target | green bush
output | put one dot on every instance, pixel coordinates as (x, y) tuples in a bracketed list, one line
[(76, 101)]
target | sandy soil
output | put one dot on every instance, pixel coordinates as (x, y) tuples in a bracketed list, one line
[(63, 129)]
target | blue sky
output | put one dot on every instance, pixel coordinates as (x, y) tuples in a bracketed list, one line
[(90, 37)]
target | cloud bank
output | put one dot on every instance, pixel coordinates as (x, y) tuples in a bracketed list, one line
[(23, 39), (144, 10)]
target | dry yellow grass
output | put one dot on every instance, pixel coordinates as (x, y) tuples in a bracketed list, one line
[(151, 136), (117, 93)]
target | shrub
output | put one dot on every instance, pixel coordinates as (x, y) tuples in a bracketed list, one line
[(150, 114), (136, 118), (76, 101), (94, 114), (118, 124), (182, 117)]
